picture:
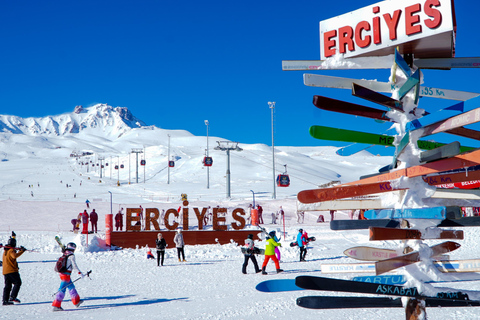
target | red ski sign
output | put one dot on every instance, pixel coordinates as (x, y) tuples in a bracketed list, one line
[(380, 27)]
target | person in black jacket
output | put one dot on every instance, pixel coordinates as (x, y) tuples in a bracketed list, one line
[(161, 245)]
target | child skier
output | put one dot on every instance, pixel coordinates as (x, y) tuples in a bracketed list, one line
[(270, 253), (67, 283)]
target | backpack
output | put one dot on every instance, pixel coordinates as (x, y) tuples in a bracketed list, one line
[(61, 265)]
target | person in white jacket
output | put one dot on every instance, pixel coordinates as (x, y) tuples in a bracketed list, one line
[(179, 243), (67, 283)]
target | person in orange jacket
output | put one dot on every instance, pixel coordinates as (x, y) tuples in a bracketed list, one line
[(10, 271)]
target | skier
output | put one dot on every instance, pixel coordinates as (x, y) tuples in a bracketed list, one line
[(119, 221), (10, 271), (302, 244), (94, 220), (270, 253), (85, 221), (67, 283), (179, 243), (87, 201), (161, 244), (250, 255)]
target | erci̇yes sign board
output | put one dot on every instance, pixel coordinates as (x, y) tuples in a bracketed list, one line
[(423, 27)]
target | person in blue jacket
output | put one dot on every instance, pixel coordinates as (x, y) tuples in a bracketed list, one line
[(302, 244)]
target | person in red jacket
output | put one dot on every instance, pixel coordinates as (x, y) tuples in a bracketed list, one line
[(119, 220), (94, 220), (85, 221)]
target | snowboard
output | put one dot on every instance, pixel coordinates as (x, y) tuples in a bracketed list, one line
[(294, 244), (277, 285), (415, 213), (255, 250)]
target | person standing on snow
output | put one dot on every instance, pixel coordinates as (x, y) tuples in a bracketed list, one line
[(67, 283), (119, 221), (161, 244), (179, 243), (270, 253), (260, 211), (85, 221), (250, 255), (302, 244), (94, 220), (10, 271)]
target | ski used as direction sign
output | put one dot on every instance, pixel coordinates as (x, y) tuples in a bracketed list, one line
[(335, 134), (362, 224), (373, 96), (330, 284), (377, 63), (340, 192), (378, 233), (404, 260), (323, 81), (369, 253), (442, 212), (336, 302)]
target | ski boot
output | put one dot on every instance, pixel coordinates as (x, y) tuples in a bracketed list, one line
[(263, 271), (279, 270), (57, 309)]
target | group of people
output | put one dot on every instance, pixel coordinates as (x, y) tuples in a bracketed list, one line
[(161, 245), (280, 214), (84, 218), (271, 251), (13, 282)]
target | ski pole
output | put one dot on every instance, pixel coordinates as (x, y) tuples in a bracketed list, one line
[(69, 284)]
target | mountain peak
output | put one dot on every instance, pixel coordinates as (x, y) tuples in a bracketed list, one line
[(112, 121)]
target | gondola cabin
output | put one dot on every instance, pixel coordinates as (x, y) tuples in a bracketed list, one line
[(171, 163), (283, 180), (143, 162), (207, 161), (122, 166), (116, 167)]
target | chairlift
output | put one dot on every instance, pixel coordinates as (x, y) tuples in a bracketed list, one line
[(171, 163), (143, 162), (207, 161), (283, 180)]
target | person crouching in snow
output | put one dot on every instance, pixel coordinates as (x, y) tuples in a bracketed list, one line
[(67, 283), (270, 253), (150, 254)]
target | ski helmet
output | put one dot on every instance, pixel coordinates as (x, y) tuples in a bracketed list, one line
[(12, 243), (71, 246)]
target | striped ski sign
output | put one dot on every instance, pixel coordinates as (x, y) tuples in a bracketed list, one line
[(404, 260)]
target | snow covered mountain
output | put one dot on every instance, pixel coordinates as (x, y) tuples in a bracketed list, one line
[(112, 121)]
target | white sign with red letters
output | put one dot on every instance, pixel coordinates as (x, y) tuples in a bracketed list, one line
[(425, 28)]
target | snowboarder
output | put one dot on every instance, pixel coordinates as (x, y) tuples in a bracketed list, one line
[(85, 221), (67, 283), (302, 244), (94, 220), (250, 255), (119, 221), (10, 271), (270, 253), (179, 243), (161, 244)]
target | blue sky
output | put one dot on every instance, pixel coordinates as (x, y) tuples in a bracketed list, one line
[(176, 63)]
